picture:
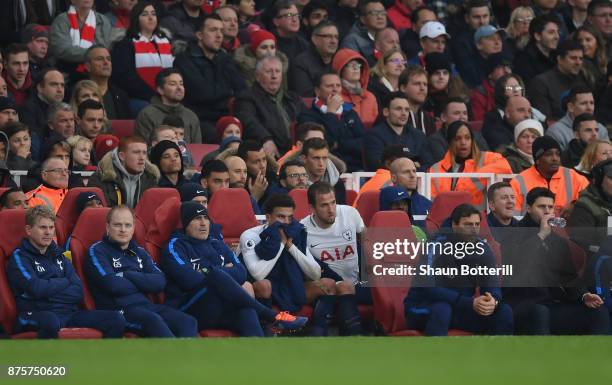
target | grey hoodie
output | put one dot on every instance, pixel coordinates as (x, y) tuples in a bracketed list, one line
[(563, 133), (130, 181)]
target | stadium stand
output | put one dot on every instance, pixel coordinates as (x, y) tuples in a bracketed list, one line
[(145, 209), (67, 215)]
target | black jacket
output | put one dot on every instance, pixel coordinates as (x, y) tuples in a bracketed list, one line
[(531, 62), (209, 84), (344, 134), (382, 135), (34, 114), (260, 117), (545, 92), (116, 103), (572, 154), (497, 131), (304, 70), (292, 46), (543, 270)]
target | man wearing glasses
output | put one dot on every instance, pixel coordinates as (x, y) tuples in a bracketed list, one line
[(53, 190), (315, 60), (361, 37), (292, 175), (286, 21)]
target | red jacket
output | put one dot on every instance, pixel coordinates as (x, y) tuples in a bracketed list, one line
[(400, 16), (365, 105), (483, 100)]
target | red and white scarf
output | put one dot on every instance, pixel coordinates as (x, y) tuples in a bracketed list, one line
[(324, 110), (82, 38), (151, 57)]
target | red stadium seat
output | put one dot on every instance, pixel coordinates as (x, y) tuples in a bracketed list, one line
[(199, 151), (231, 208), (442, 207), (89, 229), (12, 228), (122, 128), (389, 301), (367, 205), (302, 208), (149, 201), (476, 125), (67, 214), (579, 256), (166, 220), (351, 196)]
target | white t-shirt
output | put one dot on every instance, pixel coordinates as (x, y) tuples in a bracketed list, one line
[(337, 245)]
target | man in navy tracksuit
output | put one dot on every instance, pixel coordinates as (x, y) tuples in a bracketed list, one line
[(122, 274), (205, 278), (46, 288), (438, 302)]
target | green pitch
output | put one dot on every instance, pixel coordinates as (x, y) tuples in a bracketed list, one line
[(333, 361)]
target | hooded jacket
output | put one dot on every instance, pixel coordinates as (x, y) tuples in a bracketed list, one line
[(121, 278), (43, 282), (570, 158), (182, 260), (153, 115), (118, 186), (364, 104)]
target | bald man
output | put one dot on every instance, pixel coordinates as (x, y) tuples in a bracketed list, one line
[(237, 171), (404, 174), (499, 131), (386, 40)]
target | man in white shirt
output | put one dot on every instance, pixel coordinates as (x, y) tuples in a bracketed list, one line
[(332, 239), (282, 270)]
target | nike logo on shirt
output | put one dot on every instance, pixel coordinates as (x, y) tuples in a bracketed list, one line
[(194, 260)]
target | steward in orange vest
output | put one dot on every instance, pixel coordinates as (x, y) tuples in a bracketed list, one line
[(464, 156), (52, 192), (547, 172)]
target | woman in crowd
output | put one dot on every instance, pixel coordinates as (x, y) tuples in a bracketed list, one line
[(141, 55), (385, 75), (594, 61), (518, 154), (443, 84), (262, 43), (355, 74), (517, 30), (464, 156), (596, 152)]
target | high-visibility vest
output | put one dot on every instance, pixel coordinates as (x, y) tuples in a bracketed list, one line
[(381, 179), (50, 197), (490, 162), (566, 184)]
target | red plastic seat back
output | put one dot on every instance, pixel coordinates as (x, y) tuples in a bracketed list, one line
[(388, 297), (302, 208), (67, 213), (368, 205), (231, 208), (12, 228), (149, 201), (123, 128), (199, 151), (442, 207), (167, 218), (351, 196), (89, 229)]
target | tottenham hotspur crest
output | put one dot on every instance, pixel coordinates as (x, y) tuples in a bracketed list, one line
[(139, 262), (348, 235)]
